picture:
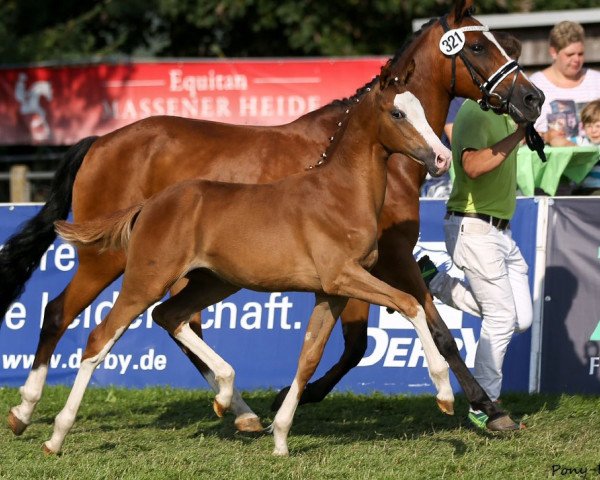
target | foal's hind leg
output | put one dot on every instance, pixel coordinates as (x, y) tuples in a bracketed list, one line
[(94, 274), (103, 337), (355, 282), (327, 309), (174, 316), (246, 420)]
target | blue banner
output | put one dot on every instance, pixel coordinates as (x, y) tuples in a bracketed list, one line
[(259, 334)]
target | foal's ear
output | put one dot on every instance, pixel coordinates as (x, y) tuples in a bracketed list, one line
[(407, 73), (386, 77)]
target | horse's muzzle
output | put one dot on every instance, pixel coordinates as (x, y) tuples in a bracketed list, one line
[(527, 107)]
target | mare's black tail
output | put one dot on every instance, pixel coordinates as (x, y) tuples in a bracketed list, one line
[(22, 252)]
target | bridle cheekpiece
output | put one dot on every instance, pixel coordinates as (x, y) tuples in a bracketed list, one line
[(452, 43)]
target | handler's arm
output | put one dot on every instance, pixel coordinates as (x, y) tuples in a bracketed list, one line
[(478, 162)]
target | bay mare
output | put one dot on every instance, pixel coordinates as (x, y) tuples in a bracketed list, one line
[(129, 165), (314, 231)]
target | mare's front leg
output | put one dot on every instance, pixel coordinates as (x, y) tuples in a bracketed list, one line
[(94, 273), (323, 318), (354, 328), (207, 290)]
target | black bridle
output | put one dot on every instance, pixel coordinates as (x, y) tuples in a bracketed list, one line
[(486, 86)]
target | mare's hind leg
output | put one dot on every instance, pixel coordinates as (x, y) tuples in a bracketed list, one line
[(245, 419), (94, 274), (174, 315), (499, 420), (327, 309), (354, 329), (103, 337), (409, 279), (355, 282)]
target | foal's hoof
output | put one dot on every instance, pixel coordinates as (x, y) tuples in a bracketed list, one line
[(248, 423), (446, 406), (219, 409), (503, 424), (16, 425), (281, 452), (47, 450)]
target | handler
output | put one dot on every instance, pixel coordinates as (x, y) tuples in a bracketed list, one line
[(478, 237)]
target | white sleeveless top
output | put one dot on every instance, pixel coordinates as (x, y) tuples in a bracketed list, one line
[(557, 97)]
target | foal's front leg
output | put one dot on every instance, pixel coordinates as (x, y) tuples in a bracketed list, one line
[(354, 328), (323, 318)]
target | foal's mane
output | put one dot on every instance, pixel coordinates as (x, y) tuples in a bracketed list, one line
[(348, 102)]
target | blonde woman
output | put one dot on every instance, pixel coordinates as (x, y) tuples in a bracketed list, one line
[(566, 84)]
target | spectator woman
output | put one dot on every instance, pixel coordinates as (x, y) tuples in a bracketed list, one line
[(566, 84)]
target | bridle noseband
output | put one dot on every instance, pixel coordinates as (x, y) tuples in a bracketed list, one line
[(486, 86)]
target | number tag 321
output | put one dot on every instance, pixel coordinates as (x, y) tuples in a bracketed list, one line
[(452, 42)]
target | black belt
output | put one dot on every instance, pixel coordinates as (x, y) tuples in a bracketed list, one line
[(499, 223)]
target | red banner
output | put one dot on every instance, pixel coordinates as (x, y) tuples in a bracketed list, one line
[(59, 105)]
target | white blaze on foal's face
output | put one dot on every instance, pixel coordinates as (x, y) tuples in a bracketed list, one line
[(415, 114)]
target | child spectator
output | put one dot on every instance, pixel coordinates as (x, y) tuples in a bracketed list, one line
[(590, 118)]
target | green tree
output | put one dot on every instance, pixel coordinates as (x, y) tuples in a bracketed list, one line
[(73, 30)]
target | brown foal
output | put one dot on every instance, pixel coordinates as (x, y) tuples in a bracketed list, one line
[(314, 231)]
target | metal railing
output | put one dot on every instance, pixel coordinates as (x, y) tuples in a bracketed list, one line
[(19, 178)]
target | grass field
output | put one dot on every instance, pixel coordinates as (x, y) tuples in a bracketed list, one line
[(163, 433)]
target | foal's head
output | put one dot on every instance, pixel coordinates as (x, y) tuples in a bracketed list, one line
[(403, 127)]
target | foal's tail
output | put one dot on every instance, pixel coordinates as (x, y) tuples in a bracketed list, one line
[(22, 252), (107, 233)]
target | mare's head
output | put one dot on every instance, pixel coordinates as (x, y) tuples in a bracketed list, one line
[(402, 126), (464, 58)]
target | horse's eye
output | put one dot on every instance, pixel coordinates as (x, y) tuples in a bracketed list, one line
[(398, 114), (477, 48)]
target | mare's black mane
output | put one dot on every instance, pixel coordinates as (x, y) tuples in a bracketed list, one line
[(347, 101)]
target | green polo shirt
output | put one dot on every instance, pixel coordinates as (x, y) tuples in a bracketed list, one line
[(493, 193)]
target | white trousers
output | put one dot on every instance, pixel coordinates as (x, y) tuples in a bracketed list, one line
[(496, 290)]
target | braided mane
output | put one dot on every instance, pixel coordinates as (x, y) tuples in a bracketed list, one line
[(347, 101)]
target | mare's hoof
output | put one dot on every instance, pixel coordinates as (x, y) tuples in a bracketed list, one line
[(16, 425), (248, 423), (446, 406), (47, 450), (504, 424), (219, 409)]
